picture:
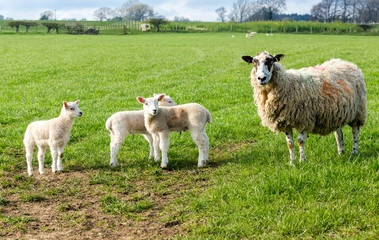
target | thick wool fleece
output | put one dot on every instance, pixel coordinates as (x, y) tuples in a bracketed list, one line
[(317, 99)]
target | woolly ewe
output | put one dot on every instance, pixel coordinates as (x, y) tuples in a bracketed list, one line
[(53, 133), (317, 100), (121, 124), (159, 121)]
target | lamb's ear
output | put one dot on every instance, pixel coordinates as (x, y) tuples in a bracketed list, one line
[(160, 98), (278, 57), (247, 59), (140, 99), (77, 102), (65, 104)]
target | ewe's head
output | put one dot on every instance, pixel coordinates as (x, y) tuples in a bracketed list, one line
[(71, 109), (166, 101), (150, 105), (263, 65)]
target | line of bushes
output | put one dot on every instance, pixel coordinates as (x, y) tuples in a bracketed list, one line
[(71, 27)]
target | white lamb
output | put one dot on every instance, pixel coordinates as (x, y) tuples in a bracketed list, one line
[(121, 124), (159, 121), (53, 133), (317, 100)]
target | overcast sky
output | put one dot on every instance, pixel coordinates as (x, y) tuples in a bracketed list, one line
[(203, 10)]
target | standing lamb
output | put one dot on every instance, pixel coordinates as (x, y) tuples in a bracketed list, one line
[(317, 100), (53, 133), (159, 121), (121, 124)]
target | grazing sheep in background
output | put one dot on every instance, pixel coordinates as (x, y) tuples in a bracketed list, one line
[(159, 121), (317, 100), (53, 133), (121, 124), (250, 34)]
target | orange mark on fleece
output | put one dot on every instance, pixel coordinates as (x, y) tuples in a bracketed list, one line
[(345, 87), (319, 68), (328, 90)]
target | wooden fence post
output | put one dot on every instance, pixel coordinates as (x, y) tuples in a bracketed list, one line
[(231, 27), (311, 29), (217, 27), (296, 29)]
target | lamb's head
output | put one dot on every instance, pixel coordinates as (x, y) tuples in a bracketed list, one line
[(166, 101), (263, 66), (150, 105), (71, 109)]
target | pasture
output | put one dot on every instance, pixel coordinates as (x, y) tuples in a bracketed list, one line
[(248, 190)]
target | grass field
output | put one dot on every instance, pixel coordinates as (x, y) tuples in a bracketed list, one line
[(248, 191)]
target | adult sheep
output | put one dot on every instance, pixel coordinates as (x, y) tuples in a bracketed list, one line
[(316, 100)]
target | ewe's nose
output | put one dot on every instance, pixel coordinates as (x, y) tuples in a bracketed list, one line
[(262, 78), (155, 111), (80, 114)]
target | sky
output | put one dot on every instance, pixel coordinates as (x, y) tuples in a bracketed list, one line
[(203, 10)]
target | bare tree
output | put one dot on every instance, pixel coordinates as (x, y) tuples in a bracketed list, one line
[(103, 13), (271, 7), (240, 11), (136, 11), (221, 14), (47, 15)]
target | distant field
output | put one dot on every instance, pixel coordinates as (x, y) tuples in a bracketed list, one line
[(247, 191)]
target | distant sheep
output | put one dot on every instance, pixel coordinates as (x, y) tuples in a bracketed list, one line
[(316, 100), (121, 124), (159, 121), (53, 133), (250, 34)]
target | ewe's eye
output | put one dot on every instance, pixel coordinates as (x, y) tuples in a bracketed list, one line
[(72, 109), (169, 102), (145, 103)]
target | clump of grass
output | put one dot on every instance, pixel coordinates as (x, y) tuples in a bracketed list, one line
[(3, 201), (113, 205), (32, 198)]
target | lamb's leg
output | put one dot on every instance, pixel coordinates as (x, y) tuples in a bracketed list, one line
[(60, 156), (301, 142), (291, 146), (355, 138), (29, 157), (149, 138), (41, 158), (163, 144), (339, 138), (116, 141), (202, 142), (156, 143), (54, 156)]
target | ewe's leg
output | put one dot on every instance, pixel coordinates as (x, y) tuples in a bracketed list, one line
[(164, 143), (301, 142), (116, 141), (41, 159), (29, 157), (291, 146), (339, 138), (54, 156), (156, 143), (149, 138), (355, 137), (60, 156), (202, 142)]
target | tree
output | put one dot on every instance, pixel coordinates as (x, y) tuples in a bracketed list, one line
[(52, 25), (181, 19), (47, 15), (240, 11), (157, 22), (136, 11), (271, 7), (1, 17), (103, 13), (29, 24), (221, 14), (15, 24)]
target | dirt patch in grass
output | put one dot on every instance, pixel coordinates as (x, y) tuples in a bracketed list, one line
[(104, 203)]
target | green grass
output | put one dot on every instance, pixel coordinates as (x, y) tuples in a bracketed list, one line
[(248, 191)]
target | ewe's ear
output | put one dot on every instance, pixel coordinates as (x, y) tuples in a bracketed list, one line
[(247, 59), (65, 104), (140, 100), (77, 102), (278, 57), (160, 98)]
